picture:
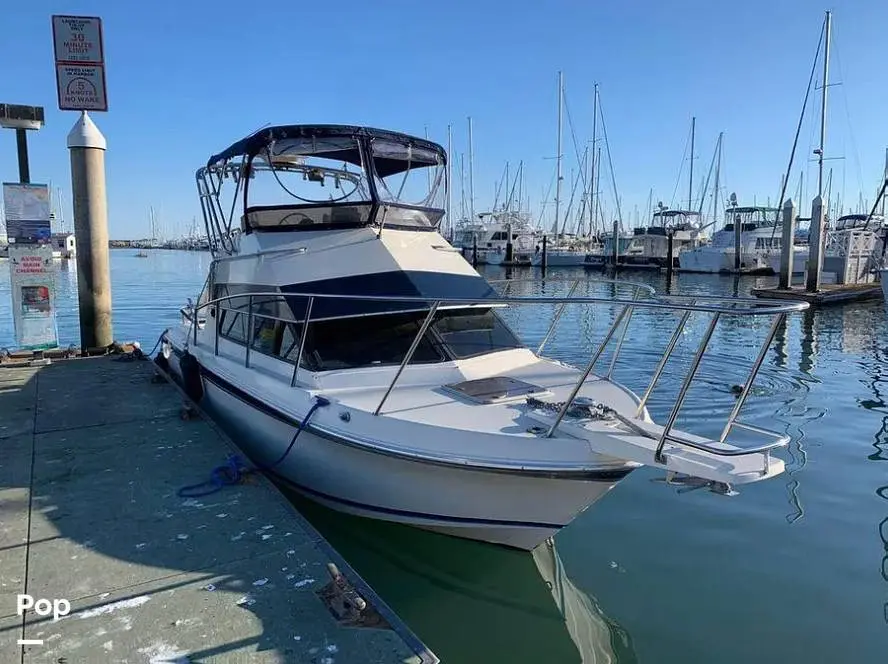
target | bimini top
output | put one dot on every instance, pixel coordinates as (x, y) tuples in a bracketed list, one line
[(424, 152)]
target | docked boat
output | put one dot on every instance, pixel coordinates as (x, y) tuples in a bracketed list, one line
[(649, 247), (568, 251), (356, 355), (486, 241), (751, 237)]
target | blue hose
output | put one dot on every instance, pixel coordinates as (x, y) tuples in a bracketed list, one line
[(235, 468)]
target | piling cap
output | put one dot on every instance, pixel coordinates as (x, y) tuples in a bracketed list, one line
[(85, 134)]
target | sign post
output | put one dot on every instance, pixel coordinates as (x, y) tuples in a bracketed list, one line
[(31, 265), (80, 63), (80, 77)]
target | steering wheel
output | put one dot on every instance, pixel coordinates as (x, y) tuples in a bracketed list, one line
[(301, 217)]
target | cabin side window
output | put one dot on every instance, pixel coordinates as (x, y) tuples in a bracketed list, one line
[(274, 330), (353, 342)]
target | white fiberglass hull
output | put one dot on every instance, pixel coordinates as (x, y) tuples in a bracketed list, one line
[(561, 259), (714, 261), (515, 509), (799, 260)]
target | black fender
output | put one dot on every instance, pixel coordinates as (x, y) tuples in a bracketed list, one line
[(191, 380)]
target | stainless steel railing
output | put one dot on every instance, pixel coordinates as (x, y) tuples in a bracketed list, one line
[(715, 305)]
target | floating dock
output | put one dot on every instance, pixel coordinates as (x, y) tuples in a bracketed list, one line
[(828, 293), (92, 454)]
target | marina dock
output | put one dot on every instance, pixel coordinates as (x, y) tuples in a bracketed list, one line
[(92, 455), (826, 295)]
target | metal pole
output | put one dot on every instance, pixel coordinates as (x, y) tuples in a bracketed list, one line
[(302, 340), (87, 147), (662, 364), (613, 364), (592, 172), (685, 386), (691, 175), (557, 315), (409, 356), (21, 144), (591, 365), (823, 104), (249, 331), (558, 153), (471, 173), (449, 182), (778, 320)]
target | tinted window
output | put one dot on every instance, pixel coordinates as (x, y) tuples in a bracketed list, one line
[(346, 343), (468, 332)]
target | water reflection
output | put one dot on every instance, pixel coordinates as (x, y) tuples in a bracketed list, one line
[(505, 605)]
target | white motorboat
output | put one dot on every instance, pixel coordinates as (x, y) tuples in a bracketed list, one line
[(486, 240), (355, 354), (649, 247), (760, 240)]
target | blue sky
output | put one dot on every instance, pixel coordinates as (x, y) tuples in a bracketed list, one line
[(186, 78)]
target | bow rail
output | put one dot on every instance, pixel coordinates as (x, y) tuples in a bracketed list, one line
[(643, 297)]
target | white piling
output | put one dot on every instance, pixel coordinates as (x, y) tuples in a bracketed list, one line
[(815, 246), (87, 146), (786, 250)]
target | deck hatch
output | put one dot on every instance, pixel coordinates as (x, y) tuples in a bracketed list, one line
[(495, 389)]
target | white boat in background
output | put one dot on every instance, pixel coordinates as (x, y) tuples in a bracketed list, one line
[(356, 355), (649, 247), (760, 240), (567, 251), (489, 237)]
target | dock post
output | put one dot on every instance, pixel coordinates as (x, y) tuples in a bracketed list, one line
[(474, 250), (545, 258), (87, 147), (786, 249), (815, 246), (670, 243), (738, 247), (616, 242)]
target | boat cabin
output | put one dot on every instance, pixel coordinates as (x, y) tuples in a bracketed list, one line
[(328, 211), (859, 222)]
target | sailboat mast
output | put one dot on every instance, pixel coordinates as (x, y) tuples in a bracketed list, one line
[(885, 177), (558, 153), (462, 186), (592, 172), (718, 164), (691, 174), (823, 103), (471, 173), (449, 176)]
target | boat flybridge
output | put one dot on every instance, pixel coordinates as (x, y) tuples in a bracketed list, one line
[(355, 354)]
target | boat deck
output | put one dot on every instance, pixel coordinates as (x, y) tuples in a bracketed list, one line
[(92, 453)]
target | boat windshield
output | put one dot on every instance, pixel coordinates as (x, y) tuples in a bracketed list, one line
[(750, 218), (315, 177)]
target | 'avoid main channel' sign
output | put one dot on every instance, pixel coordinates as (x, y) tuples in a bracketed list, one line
[(80, 63)]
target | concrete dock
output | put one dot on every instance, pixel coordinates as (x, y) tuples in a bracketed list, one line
[(92, 453)]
